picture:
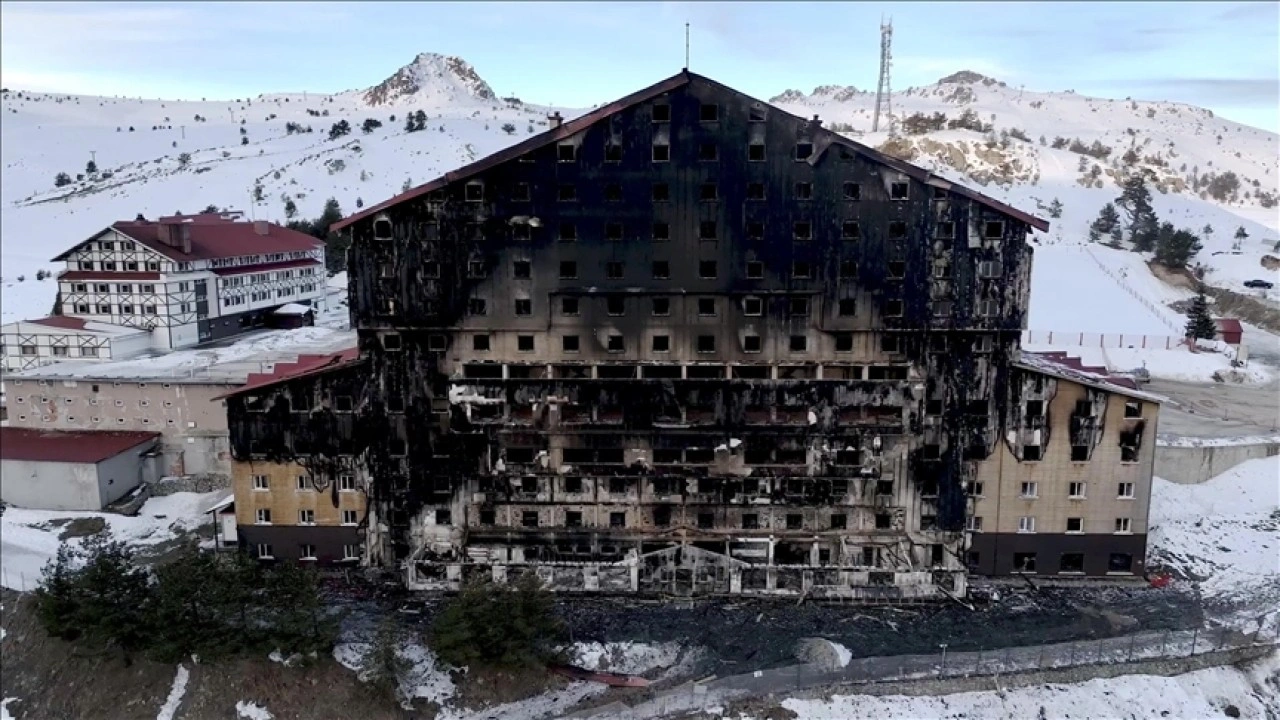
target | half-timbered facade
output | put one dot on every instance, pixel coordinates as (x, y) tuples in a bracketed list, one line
[(28, 344), (190, 279)]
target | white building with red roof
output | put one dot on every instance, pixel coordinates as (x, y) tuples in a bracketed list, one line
[(29, 344), (190, 279)]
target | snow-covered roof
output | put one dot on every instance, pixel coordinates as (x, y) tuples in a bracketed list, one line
[(1061, 366), (229, 365), (81, 325), (291, 309), (209, 236)]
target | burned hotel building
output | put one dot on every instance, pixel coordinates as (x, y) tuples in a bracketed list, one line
[(685, 344)]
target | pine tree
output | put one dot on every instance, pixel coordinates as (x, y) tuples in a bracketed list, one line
[(61, 179), (1200, 324), (381, 665), (497, 625), (1240, 236), (1135, 200), (1175, 248), (1107, 223), (1055, 208), (290, 209), (90, 168)]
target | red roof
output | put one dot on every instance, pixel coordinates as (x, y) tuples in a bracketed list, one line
[(65, 322), (265, 267), (1228, 325), (583, 122), (305, 365), (72, 446), (212, 236), (106, 275)]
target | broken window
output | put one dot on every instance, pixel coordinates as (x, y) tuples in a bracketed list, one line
[(839, 521), (1075, 525), (844, 341), (474, 192), (751, 343), (615, 305), (343, 404), (661, 306), (1079, 453), (617, 519), (804, 191), (973, 560), (613, 270), (897, 230), (566, 152), (898, 191), (708, 152), (795, 521), (993, 229), (802, 231), (614, 344), (893, 308), (569, 343), (661, 113), (897, 269), (706, 306), (1071, 563), (661, 231), (755, 191), (884, 521), (799, 343), (1120, 563), (522, 269), (612, 152), (852, 191), (568, 192), (568, 232), (755, 230), (661, 152), (798, 306), (480, 343), (1024, 562), (708, 191), (1133, 409), (755, 152), (477, 306), (801, 270), (524, 343), (436, 343), (945, 230), (661, 343), (750, 521), (573, 518), (708, 112), (755, 270), (849, 230), (613, 231), (661, 192), (662, 515), (381, 231), (707, 268), (431, 269), (568, 269), (488, 517), (573, 484), (804, 150), (752, 306), (661, 270), (706, 343), (707, 230), (846, 307), (524, 306), (1031, 452), (1035, 409), (529, 518), (706, 520), (391, 342)]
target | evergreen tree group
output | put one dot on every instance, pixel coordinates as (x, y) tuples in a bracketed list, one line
[(335, 244), (1106, 225), (1175, 247), (1200, 324), (499, 625), (1135, 200)]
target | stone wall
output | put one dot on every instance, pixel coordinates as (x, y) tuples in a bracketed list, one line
[(190, 483), (1191, 464)]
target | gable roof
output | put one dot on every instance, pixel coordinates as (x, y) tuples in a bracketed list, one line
[(304, 366), (70, 446), (583, 122), (212, 236), (79, 324), (1072, 369), (1228, 325)]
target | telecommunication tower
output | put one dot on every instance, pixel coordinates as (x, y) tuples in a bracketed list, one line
[(883, 105)]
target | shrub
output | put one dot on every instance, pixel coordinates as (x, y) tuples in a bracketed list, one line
[(509, 128), (338, 129), (61, 179), (369, 125), (184, 159), (498, 625)]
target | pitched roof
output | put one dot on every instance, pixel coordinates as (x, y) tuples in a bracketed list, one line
[(304, 366), (212, 236), (1228, 325), (71, 446), (265, 267), (1061, 365), (582, 122), (79, 324)]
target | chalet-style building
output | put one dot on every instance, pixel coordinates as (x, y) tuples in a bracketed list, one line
[(686, 343), (190, 279)]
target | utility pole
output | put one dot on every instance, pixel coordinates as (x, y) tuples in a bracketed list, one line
[(183, 128), (686, 46), (93, 157)]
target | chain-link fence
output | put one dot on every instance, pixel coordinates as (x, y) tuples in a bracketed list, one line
[(1163, 645)]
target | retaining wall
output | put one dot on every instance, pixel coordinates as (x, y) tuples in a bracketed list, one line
[(1191, 464)]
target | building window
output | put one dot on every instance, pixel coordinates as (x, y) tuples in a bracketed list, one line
[(706, 343), (1133, 409), (1079, 453), (974, 523), (993, 229), (529, 518), (846, 307), (1120, 563), (708, 192), (709, 112), (1026, 524), (661, 270), (567, 193), (661, 343), (1031, 453), (707, 230), (1076, 490), (612, 152), (260, 482), (569, 343), (661, 232), (798, 306), (430, 269), (28, 350), (569, 306), (477, 306), (844, 342), (893, 308), (566, 152), (988, 269), (614, 344), (706, 307), (661, 113), (347, 483), (304, 482), (661, 306), (755, 152), (708, 152), (262, 516), (480, 343), (755, 191), (661, 152), (306, 517), (801, 271), (804, 150), (898, 191), (1122, 526), (804, 191), (752, 306), (1071, 563), (751, 343), (263, 551), (852, 191), (1124, 490), (615, 305), (755, 270), (349, 517), (1029, 490), (1075, 525), (474, 192), (661, 192), (750, 521), (613, 270), (524, 343), (568, 232), (707, 268), (520, 193), (350, 552), (436, 343), (613, 231), (524, 306), (568, 269), (799, 343), (802, 231)]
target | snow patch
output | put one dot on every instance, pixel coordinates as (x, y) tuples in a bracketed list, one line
[(628, 658), (176, 693), (4, 708), (843, 654), (251, 711)]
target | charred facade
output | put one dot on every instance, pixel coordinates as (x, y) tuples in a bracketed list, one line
[(687, 343)]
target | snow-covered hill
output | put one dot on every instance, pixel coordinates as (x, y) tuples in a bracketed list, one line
[(157, 157)]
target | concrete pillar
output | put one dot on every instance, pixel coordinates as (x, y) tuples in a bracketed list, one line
[(771, 578), (735, 580), (635, 577)]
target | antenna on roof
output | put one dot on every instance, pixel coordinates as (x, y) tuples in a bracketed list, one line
[(686, 47)]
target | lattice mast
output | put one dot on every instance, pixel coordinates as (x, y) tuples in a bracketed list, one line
[(883, 105)]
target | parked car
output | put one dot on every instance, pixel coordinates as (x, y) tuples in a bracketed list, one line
[(1140, 375), (1258, 284)]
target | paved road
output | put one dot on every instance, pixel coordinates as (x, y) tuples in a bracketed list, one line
[(1218, 409)]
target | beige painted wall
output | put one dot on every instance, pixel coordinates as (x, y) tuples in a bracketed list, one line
[(284, 499)]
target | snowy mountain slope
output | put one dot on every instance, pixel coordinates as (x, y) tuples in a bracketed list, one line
[(236, 146)]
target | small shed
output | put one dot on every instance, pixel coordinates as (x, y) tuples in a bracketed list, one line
[(73, 469), (292, 315), (1229, 331), (224, 523)]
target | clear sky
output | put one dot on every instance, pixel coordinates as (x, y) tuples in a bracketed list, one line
[(1219, 55)]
